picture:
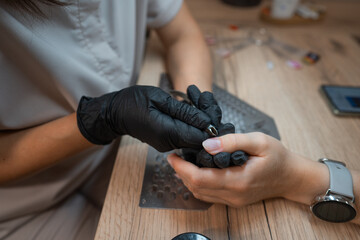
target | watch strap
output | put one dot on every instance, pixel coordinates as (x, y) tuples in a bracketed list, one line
[(340, 178)]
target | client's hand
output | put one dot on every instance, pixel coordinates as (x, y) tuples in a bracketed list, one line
[(271, 171), (143, 112), (267, 173)]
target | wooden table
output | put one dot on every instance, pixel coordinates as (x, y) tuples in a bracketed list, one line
[(290, 96)]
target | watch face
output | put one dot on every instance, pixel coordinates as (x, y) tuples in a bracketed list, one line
[(334, 211)]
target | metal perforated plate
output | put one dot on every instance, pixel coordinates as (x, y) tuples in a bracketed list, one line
[(244, 117), (161, 189)]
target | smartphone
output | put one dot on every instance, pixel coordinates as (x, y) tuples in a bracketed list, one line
[(343, 100)]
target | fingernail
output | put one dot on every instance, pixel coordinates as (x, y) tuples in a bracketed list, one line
[(212, 145)]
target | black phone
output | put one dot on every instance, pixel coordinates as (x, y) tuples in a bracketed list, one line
[(343, 100)]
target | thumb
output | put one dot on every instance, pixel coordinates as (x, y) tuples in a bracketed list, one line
[(183, 168), (252, 143)]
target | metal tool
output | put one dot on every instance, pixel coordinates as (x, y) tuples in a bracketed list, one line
[(212, 131)]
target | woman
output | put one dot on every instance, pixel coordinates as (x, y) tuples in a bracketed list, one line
[(54, 166)]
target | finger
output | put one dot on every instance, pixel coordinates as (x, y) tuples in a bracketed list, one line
[(181, 167), (210, 195), (239, 157), (182, 135), (204, 159), (206, 99), (215, 114), (193, 93), (198, 177), (210, 199), (223, 197), (184, 112), (189, 154), (252, 143), (209, 105), (205, 102), (222, 159), (226, 128)]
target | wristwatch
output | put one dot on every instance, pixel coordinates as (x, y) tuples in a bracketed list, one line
[(337, 205)]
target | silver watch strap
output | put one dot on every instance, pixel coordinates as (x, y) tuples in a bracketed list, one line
[(340, 178)]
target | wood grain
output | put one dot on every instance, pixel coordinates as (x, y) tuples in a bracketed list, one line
[(292, 98)]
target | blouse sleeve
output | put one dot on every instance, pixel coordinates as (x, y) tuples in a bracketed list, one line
[(160, 12)]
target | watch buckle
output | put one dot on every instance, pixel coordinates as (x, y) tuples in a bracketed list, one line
[(323, 160), (336, 196)]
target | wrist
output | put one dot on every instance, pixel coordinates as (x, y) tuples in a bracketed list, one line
[(356, 180), (182, 81), (92, 119), (310, 179)]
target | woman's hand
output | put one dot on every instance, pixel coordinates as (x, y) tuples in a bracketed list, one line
[(146, 113), (269, 172)]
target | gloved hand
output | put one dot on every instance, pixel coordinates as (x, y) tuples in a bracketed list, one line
[(206, 102), (146, 113)]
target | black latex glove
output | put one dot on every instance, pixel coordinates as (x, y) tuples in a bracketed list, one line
[(146, 113), (206, 102)]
